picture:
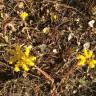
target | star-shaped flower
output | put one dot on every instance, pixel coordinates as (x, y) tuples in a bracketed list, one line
[(22, 59), (86, 58)]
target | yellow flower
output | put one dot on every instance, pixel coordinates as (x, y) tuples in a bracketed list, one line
[(16, 68), (24, 15), (27, 50), (25, 67), (92, 63), (88, 53), (86, 58), (82, 60), (53, 17), (22, 59)]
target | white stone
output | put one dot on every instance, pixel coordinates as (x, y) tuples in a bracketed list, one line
[(46, 30), (86, 45), (91, 23), (78, 19), (55, 51), (75, 91), (70, 36)]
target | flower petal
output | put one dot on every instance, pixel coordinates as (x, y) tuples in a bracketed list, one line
[(16, 69), (92, 63), (25, 67), (24, 15)]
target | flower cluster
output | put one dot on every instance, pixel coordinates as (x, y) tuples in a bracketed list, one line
[(87, 57), (21, 59), (24, 15)]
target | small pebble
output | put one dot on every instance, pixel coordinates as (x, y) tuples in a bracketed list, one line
[(75, 91), (78, 19), (91, 23), (55, 51), (70, 36), (86, 45), (21, 5), (46, 30)]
